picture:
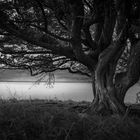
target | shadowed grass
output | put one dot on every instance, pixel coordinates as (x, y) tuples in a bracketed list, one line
[(57, 120)]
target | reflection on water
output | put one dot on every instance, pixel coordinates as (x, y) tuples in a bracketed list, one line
[(62, 91)]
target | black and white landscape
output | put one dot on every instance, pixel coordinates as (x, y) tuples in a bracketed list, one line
[(69, 69)]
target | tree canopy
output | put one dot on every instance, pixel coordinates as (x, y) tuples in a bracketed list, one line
[(38, 38), (91, 37)]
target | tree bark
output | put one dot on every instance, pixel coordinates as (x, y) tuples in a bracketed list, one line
[(108, 97), (105, 96)]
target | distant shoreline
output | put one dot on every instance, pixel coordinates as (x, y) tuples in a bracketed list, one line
[(45, 82)]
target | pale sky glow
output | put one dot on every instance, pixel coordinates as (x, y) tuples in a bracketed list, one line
[(14, 82), (69, 87), (63, 91), (131, 93), (18, 75)]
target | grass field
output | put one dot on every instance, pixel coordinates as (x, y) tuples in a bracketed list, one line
[(57, 120)]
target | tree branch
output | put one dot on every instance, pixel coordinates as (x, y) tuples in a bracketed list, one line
[(51, 34), (56, 49), (24, 52), (89, 39), (78, 13), (43, 13)]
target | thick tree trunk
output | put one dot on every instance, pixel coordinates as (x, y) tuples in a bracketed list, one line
[(106, 103), (106, 100), (105, 97), (108, 96)]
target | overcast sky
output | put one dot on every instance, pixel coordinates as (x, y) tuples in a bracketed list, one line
[(60, 76)]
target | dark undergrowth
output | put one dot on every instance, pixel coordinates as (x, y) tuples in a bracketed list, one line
[(56, 120)]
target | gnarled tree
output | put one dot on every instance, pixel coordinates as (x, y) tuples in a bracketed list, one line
[(99, 39)]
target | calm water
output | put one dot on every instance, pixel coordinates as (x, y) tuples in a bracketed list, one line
[(62, 91)]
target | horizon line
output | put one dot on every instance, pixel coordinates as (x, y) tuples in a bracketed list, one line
[(54, 82)]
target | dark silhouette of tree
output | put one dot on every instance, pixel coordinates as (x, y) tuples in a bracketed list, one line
[(99, 39)]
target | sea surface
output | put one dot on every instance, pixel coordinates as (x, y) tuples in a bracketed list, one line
[(61, 91)]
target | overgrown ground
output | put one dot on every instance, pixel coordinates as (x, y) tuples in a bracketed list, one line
[(56, 120)]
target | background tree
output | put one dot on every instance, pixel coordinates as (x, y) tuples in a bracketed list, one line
[(99, 39)]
